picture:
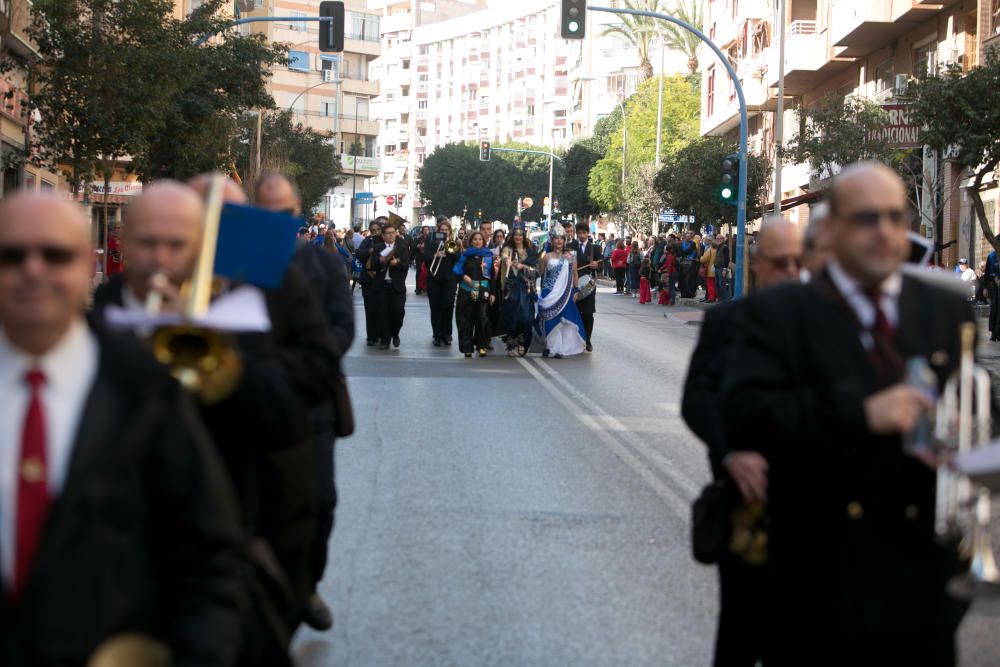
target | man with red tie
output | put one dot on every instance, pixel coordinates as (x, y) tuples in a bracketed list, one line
[(116, 517)]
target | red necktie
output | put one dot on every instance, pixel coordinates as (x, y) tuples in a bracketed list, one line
[(884, 357), (32, 488)]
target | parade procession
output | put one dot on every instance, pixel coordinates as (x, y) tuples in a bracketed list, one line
[(533, 333)]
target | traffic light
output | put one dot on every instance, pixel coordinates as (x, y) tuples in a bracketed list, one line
[(331, 33), (484, 151), (729, 180), (573, 19)]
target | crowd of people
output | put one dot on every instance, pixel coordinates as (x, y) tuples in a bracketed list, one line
[(483, 285), (822, 525)]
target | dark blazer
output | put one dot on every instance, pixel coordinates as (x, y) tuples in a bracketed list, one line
[(446, 272), (852, 548), (593, 253), (143, 537), (362, 253), (397, 274), (703, 387), (327, 279)]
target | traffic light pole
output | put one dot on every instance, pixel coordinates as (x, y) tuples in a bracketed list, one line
[(741, 202), (265, 19)]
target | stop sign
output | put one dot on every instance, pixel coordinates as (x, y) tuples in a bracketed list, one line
[(390, 200)]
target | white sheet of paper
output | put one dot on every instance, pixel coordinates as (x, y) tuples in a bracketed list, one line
[(242, 310)]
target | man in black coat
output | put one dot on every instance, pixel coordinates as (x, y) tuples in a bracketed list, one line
[(262, 429), (327, 279), (391, 256), (442, 284), (121, 519), (363, 254), (588, 263), (855, 574), (742, 590)]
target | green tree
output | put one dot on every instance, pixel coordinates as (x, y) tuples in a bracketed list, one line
[(453, 178), (642, 203), (574, 192), (960, 116), (99, 75), (299, 152), (639, 31), (680, 119), (836, 131), (688, 182), (680, 39)]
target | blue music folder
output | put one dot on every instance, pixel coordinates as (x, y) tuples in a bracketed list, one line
[(255, 246)]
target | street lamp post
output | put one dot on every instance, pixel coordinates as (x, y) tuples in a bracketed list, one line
[(552, 145)]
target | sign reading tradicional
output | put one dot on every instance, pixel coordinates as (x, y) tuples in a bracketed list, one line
[(900, 132)]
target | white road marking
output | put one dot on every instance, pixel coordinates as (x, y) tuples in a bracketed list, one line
[(674, 501)]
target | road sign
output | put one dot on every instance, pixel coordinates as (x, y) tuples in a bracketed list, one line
[(364, 195), (390, 200)]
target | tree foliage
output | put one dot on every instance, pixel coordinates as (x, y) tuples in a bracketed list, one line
[(574, 192), (838, 130), (299, 152), (642, 203), (124, 77), (688, 182), (960, 116), (680, 39), (639, 31), (680, 118), (453, 178)]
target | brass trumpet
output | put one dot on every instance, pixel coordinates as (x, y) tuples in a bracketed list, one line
[(204, 361), (450, 247)]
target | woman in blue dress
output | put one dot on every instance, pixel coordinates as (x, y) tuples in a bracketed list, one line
[(518, 274), (559, 320)]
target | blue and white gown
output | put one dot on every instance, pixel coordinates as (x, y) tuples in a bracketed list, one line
[(558, 318)]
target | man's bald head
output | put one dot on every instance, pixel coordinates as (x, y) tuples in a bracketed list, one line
[(275, 192), (868, 222), (46, 263), (163, 228), (232, 193), (779, 252)]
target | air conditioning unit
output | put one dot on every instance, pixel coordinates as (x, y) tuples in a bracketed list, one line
[(902, 80), (329, 75)]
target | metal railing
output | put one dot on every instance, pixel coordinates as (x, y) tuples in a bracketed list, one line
[(802, 27)]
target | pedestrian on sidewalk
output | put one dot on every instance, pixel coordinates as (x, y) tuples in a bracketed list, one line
[(634, 262), (645, 273), (722, 286), (619, 260), (668, 278), (609, 247), (708, 269)]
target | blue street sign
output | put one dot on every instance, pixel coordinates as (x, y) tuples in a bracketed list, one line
[(364, 195)]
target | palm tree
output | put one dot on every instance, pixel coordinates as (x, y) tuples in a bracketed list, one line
[(638, 31), (679, 39)]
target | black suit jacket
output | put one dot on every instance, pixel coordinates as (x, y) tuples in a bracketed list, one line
[(397, 274), (852, 548), (327, 278), (584, 257), (143, 537), (362, 254), (703, 387)]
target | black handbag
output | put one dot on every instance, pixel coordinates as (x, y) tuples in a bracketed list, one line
[(711, 522)]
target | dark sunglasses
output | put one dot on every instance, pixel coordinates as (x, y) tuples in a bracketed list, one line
[(870, 219), (53, 255), (783, 263)]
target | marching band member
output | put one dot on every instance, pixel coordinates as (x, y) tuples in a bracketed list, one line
[(442, 282), (363, 253), (588, 262), (518, 273), (560, 321), (856, 576), (477, 291), (391, 258), (116, 515)]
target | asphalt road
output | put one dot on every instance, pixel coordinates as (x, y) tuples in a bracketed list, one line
[(526, 512)]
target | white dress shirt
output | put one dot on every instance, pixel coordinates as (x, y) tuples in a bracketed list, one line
[(70, 369), (862, 306)]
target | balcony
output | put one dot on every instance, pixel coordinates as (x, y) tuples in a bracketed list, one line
[(861, 27), (359, 87), (807, 60), (365, 46)]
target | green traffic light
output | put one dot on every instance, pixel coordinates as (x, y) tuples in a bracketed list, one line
[(727, 193), (573, 26)]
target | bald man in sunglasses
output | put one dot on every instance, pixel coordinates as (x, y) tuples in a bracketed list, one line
[(856, 576), (116, 515)]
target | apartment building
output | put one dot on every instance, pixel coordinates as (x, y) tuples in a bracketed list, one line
[(16, 118), (330, 92), (864, 48), (455, 71)]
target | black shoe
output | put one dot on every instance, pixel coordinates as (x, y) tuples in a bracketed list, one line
[(383, 345), (447, 340), (438, 342), (395, 341), (317, 615), (468, 355), (545, 354), (372, 343), (489, 346), (590, 348), (557, 356)]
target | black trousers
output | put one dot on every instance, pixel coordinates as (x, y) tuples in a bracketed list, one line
[(371, 317), (689, 279), (324, 441), (390, 306), (441, 297), (473, 320), (587, 308), (620, 279), (739, 638)]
